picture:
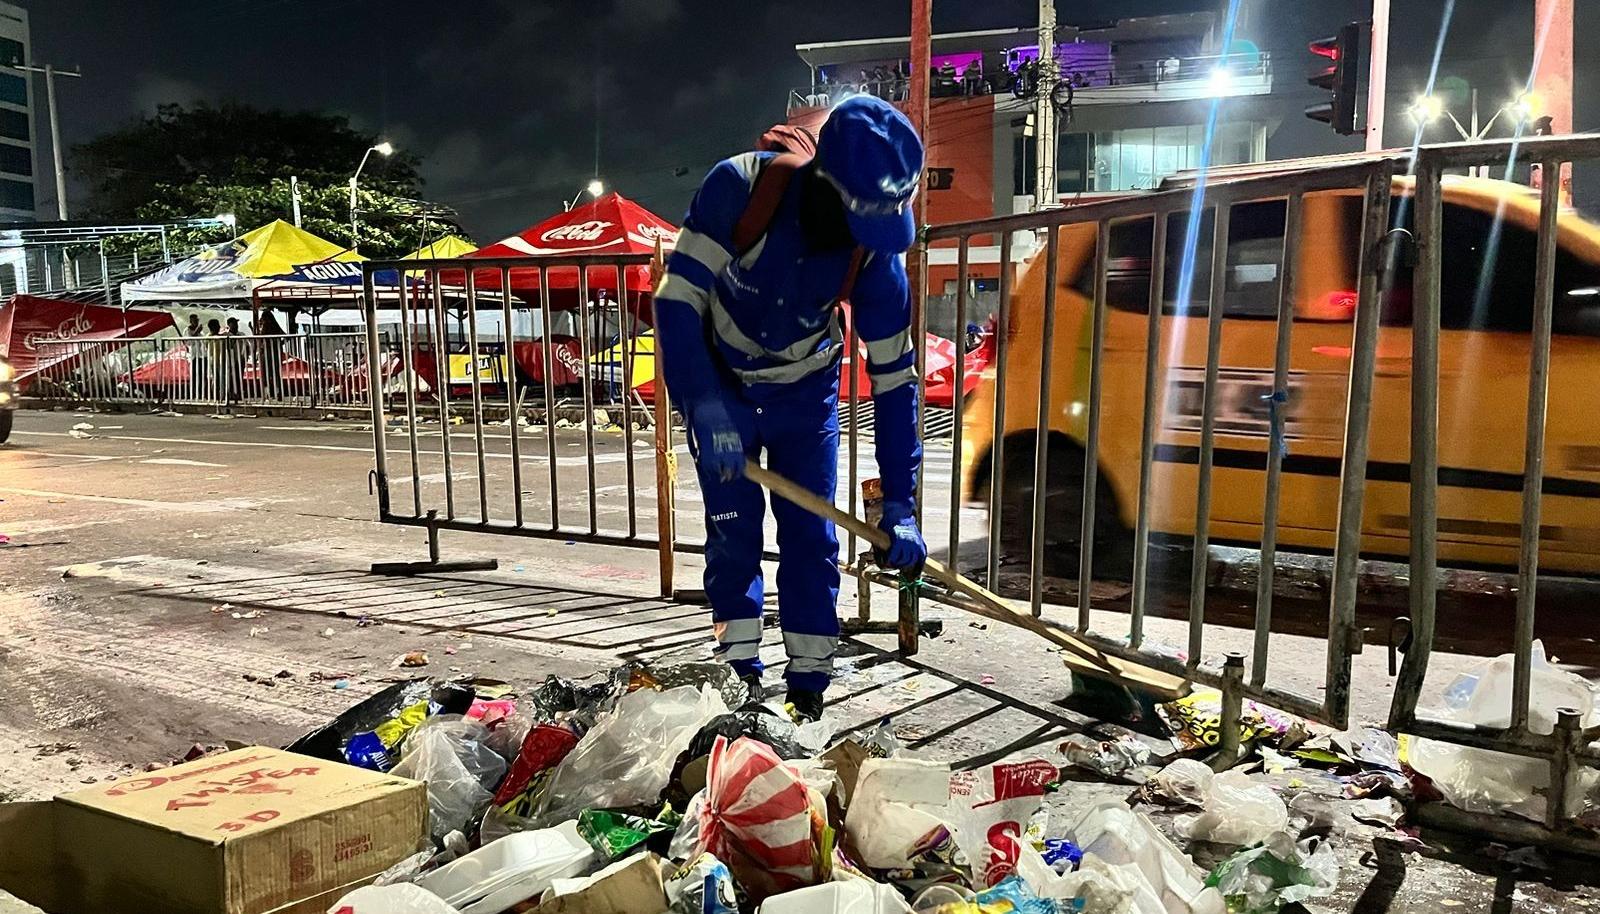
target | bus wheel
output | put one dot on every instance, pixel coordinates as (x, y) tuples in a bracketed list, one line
[(1063, 512)]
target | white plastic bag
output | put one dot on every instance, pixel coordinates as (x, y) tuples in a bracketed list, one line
[(1484, 781), (627, 758), (448, 753), (1164, 879), (892, 812), (1237, 810), (1184, 781), (990, 809), (1100, 886)]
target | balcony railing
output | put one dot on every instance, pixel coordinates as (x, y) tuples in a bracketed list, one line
[(1225, 74)]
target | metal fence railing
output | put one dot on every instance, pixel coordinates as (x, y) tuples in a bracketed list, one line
[(310, 370), (1172, 373)]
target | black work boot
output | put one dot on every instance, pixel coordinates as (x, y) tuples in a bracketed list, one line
[(758, 692), (807, 705)]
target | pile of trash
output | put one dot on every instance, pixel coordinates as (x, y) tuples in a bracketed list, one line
[(664, 789)]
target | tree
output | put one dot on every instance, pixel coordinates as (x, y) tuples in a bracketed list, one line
[(187, 163)]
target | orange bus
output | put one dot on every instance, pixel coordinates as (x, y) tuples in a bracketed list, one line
[(1490, 233)]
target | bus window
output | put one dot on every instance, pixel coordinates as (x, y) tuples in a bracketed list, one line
[(1255, 253), (1128, 269), (1486, 281)]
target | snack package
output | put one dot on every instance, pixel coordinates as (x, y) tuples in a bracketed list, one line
[(393, 730), (1196, 720), (613, 834), (542, 749)]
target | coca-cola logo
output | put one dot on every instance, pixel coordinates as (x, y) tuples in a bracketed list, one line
[(64, 331), (577, 231), (653, 232)]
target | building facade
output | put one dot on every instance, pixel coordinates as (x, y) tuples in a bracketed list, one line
[(18, 164), (1133, 109)]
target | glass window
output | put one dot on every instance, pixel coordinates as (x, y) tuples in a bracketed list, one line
[(12, 52), (14, 124), (16, 194), (13, 89), (1487, 277), (16, 160), (1255, 253)]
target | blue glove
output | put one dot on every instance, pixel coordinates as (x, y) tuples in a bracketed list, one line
[(906, 549), (718, 446)]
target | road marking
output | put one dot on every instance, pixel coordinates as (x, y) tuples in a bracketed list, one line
[(196, 507), (180, 462), (80, 456)]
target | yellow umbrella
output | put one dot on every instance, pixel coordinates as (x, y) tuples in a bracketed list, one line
[(448, 246), (277, 248)]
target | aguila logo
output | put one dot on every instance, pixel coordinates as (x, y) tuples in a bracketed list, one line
[(577, 231), (66, 330)]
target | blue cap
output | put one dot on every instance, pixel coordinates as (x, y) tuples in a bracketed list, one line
[(868, 151)]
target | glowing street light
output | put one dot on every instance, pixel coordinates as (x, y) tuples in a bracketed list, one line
[(1524, 107), (384, 149), (594, 189), (1426, 109)]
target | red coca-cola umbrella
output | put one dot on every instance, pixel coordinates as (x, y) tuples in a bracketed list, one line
[(611, 224)]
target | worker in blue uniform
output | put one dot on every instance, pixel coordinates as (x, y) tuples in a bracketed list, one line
[(751, 339)]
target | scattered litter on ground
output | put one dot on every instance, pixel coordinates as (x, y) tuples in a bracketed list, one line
[(1112, 758), (81, 430), (664, 789)]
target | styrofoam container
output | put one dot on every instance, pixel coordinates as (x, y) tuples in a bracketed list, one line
[(391, 899), (515, 868)]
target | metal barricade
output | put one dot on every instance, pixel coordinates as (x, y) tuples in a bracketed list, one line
[(1092, 225), (308, 371), (1384, 182), (1567, 742), (419, 402)]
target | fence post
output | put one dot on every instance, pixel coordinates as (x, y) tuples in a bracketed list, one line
[(666, 457)]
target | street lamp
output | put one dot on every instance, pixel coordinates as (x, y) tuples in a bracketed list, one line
[(384, 149), (594, 189)]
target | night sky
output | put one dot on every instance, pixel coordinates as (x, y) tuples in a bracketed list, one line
[(499, 96)]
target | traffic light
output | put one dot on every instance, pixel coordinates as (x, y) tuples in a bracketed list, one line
[(1339, 77)]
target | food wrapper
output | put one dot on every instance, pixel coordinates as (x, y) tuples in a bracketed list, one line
[(393, 730), (1196, 722), (542, 749), (702, 886), (614, 834)]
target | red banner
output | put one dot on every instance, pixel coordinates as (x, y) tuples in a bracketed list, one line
[(35, 331)]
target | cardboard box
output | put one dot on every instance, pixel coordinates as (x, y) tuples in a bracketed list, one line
[(251, 831), (633, 885)]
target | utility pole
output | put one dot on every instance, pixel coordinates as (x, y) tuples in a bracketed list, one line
[(1044, 118), (50, 73), (920, 115), (1552, 76), (1378, 74)]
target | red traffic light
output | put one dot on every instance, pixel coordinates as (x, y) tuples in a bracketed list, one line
[(1325, 47)]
